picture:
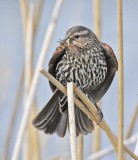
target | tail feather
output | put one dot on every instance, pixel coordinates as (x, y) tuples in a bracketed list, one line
[(78, 121), (83, 123), (47, 120), (86, 122), (52, 126), (84, 128), (50, 115), (62, 127)]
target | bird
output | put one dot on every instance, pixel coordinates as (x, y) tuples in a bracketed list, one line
[(91, 65)]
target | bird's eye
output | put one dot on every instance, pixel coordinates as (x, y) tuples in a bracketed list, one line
[(77, 36)]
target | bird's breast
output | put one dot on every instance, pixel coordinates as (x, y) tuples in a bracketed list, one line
[(86, 70)]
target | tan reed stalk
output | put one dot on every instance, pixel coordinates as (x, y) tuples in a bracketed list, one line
[(12, 122), (29, 49), (28, 68), (34, 84), (132, 122), (80, 147), (120, 82), (39, 9), (72, 126), (33, 152), (96, 140), (97, 17), (90, 111), (32, 140), (23, 5)]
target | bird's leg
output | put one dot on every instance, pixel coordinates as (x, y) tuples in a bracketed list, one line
[(99, 112)]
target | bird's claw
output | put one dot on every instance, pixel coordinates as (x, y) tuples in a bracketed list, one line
[(99, 112)]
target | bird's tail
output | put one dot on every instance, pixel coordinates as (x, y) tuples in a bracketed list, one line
[(50, 119), (83, 124)]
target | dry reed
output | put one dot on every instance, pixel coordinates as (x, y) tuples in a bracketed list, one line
[(72, 126), (96, 140), (31, 144), (120, 82), (80, 147)]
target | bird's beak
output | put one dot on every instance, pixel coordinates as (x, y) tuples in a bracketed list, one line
[(67, 42)]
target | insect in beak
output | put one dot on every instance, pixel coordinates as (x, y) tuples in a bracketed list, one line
[(67, 42)]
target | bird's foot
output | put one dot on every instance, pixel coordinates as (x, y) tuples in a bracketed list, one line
[(100, 114)]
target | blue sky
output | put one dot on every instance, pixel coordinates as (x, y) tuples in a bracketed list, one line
[(76, 12)]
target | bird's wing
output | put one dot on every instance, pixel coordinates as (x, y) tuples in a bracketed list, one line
[(112, 67), (59, 52)]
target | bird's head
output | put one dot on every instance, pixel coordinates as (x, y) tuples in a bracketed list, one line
[(79, 36)]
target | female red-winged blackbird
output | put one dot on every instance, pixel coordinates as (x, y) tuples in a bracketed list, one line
[(91, 65)]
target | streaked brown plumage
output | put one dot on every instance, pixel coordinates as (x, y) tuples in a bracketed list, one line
[(91, 65)]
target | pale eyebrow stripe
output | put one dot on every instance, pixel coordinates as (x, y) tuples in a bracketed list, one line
[(83, 33)]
